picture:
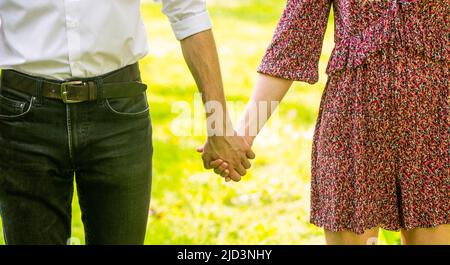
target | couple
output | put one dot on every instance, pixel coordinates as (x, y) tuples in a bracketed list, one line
[(72, 104)]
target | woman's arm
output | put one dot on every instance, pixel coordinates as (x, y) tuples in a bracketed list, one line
[(267, 94), (293, 54)]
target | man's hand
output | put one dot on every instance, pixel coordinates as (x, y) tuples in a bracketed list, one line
[(200, 53), (228, 155)]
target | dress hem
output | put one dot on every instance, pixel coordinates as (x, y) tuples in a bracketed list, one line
[(361, 230)]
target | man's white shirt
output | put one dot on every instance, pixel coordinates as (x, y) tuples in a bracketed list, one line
[(63, 39)]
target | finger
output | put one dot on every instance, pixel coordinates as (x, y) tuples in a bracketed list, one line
[(221, 169), (216, 163), (241, 170), (250, 154), (218, 171), (235, 176), (200, 148), (227, 179), (206, 161), (223, 166), (246, 163), (225, 174)]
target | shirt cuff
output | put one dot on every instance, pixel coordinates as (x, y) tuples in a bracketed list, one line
[(191, 25)]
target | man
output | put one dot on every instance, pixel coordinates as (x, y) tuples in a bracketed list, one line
[(72, 104)]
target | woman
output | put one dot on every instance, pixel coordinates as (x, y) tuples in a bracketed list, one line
[(380, 155)]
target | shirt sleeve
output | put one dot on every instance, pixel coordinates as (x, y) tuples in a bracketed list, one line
[(187, 17), (296, 46)]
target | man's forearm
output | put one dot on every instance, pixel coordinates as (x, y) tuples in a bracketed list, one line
[(200, 53)]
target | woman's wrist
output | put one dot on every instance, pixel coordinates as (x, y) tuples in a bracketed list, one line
[(244, 131), (249, 139)]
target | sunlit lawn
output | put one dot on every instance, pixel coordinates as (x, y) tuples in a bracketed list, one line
[(193, 206)]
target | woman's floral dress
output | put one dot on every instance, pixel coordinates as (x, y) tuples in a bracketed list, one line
[(380, 155)]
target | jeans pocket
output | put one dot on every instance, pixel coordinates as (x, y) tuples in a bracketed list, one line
[(128, 107), (14, 104)]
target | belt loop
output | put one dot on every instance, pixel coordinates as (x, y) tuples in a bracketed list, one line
[(135, 72), (99, 84), (2, 76), (92, 90), (39, 98)]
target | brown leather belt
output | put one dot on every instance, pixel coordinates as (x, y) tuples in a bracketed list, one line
[(121, 83)]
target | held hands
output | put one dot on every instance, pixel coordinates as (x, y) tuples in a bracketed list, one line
[(227, 155)]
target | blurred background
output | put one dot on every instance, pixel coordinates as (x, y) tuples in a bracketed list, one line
[(190, 205)]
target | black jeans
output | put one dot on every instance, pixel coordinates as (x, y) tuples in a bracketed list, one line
[(45, 144)]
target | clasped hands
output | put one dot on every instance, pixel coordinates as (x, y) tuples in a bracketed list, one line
[(229, 156)]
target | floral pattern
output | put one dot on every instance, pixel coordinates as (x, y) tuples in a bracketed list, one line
[(380, 154)]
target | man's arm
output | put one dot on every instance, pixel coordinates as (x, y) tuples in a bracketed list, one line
[(200, 53), (192, 26)]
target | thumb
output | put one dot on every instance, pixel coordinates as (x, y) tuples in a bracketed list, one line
[(200, 148), (250, 154)]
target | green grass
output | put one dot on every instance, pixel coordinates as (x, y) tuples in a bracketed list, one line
[(193, 206)]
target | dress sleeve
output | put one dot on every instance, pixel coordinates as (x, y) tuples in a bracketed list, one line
[(296, 46)]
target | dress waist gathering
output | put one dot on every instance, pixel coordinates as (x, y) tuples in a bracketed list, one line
[(399, 26)]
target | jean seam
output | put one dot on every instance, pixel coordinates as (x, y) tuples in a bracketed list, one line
[(125, 114), (69, 133), (13, 117)]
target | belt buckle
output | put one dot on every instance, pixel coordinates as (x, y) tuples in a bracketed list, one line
[(64, 86)]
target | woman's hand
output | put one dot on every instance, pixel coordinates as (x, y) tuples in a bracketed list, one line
[(234, 150), (222, 168), (267, 94)]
